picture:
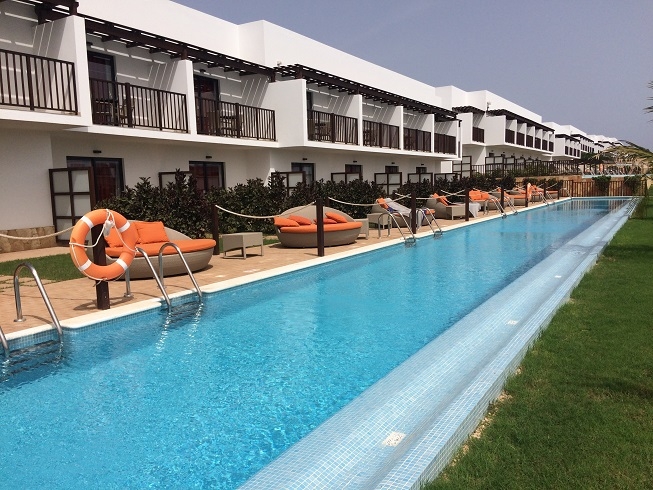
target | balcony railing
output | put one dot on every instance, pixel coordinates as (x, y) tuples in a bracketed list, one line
[(380, 135), (133, 106), (478, 134), (325, 126), (37, 83), (510, 136), (443, 143), (234, 120), (417, 140)]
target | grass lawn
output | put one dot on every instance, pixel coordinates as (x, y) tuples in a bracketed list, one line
[(579, 412), (52, 268), (61, 267)]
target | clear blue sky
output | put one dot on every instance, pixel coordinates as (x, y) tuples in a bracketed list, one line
[(581, 62)]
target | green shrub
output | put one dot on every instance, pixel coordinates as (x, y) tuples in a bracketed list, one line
[(602, 183)]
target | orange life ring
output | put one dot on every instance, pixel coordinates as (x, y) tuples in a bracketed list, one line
[(78, 238)]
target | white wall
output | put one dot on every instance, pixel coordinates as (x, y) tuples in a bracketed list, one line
[(169, 19), (25, 184)]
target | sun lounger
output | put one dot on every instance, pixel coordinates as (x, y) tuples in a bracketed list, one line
[(296, 227), (448, 210)]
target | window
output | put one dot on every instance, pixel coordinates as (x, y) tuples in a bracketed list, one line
[(354, 169), (391, 169), (101, 67), (309, 101), (107, 174), (307, 168), (209, 175), (420, 170)]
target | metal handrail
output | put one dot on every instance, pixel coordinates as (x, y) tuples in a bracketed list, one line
[(44, 295), (428, 222), (412, 238), (183, 260), (155, 275), (3, 341)]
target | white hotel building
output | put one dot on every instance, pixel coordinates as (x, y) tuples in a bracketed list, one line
[(96, 94)]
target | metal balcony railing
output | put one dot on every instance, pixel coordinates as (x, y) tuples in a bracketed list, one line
[(417, 140), (325, 126), (380, 135), (234, 120), (133, 106), (37, 83)]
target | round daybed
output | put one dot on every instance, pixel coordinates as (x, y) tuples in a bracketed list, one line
[(152, 235), (339, 228)]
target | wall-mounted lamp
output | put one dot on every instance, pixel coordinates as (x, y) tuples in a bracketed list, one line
[(304, 159), (393, 163), (355, 161), (208, 157), (97, 152)]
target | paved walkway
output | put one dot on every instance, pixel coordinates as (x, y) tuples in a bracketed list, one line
[(71, 299)]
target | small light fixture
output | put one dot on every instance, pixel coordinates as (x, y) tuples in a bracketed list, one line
[(304, 159), (208, 157), (355, 161), (97, 152), (393, 163), (202, 70)]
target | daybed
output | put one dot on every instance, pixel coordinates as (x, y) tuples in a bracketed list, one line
[(297, 228), (401, 213), (445, 209), (152, 235)]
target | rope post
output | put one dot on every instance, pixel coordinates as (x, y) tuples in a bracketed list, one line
[(466, 203), (100, 258), (413, 212), (503, 193), (528, 194), (215, 230), (319, 216)]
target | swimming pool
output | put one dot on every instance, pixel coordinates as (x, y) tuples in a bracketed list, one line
[(209, 399)]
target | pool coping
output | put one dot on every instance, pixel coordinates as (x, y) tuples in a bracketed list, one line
[(402, 431)]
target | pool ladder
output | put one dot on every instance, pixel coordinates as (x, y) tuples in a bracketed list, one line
[(408, 240), (159, 277), (19, 308)]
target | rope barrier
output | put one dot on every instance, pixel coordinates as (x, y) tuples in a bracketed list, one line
[(351, 203), (2, 235), (260, 217)]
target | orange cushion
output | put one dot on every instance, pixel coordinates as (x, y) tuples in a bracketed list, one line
[(302, 220), (338, 218), (280, 221), (151, 232), (441, 199), (349, 225), (152, 249), (327, 221), (381, 201), (113, 240)]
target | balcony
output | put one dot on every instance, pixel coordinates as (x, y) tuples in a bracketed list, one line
[(380, 135), (478, 135), (37, 83), (444, 143), (232, 120), (417, 140), (521, 138), (333, 128), (133, 106), (510, 136)]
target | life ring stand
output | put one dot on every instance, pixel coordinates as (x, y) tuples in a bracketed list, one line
[(108, 218)]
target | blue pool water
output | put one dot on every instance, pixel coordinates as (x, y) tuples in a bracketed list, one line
[(206, 398)]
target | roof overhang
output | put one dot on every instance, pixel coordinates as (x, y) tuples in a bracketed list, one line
[(468, 108), (512, 115), (336, 82)]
